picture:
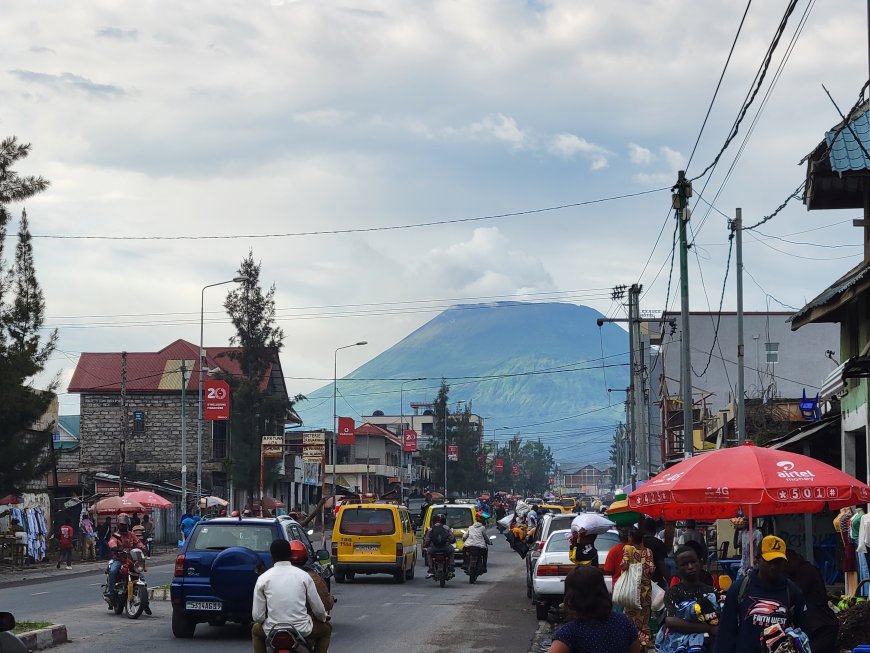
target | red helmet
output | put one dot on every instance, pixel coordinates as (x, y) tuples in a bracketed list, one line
[(298, 552)]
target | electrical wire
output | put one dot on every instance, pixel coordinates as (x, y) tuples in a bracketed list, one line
[(719, 314)]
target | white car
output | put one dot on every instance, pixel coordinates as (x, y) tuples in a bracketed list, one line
[(548, 579)]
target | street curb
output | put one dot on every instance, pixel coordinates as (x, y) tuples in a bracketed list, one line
[(545, 629), (36, 640)]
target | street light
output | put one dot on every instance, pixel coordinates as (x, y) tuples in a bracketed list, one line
[(202, 364), (335, 410), (402, 434)]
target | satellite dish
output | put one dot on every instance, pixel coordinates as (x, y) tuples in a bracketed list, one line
[(378, 413), (428, 411)]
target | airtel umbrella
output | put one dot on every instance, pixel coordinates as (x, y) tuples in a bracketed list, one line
[(756, 480), (148, 499)]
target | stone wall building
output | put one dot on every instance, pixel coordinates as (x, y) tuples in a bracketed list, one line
[(152, 436)]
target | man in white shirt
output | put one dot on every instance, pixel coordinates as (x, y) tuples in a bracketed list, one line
[(283, 594)]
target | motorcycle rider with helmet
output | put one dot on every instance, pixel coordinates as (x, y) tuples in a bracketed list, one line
[(121, 542), (439, 538), (475, 538), (285, 594)]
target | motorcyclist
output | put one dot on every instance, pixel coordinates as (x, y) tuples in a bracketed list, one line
[(439, 538), (475, 538), (121, 542)]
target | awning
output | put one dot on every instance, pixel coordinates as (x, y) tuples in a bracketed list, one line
[(806, 433), (833, 385), (857, 367)]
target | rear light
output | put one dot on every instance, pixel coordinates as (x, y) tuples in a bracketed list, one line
[(539, 546), (179, 566), (335, 549), (547, 570), (282, 641), (400, 550)]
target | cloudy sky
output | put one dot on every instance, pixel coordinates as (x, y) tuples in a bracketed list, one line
[(161, 121)]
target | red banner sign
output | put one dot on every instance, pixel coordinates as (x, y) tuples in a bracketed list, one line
[(499, 465), (216, 400), (453, 453), (515, 470), (346, 429), (409, 443)]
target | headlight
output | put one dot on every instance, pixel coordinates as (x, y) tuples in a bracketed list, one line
[(138, 567)]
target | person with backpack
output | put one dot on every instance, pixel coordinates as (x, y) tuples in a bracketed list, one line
[(759, 599), (65, 535), (439, 538)]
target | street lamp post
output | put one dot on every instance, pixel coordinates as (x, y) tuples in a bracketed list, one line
[(402, 434), (335, 409), (202, 364)]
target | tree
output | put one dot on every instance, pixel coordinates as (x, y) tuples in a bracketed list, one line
[(534, 460), (256, 412), (23, 351), (464, 475)]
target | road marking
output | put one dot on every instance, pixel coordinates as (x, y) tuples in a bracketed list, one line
[(38, 593), (362, 616)]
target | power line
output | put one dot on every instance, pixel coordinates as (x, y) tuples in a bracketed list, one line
[(331, 232), (806, 258), (794, 195), (719, 317)]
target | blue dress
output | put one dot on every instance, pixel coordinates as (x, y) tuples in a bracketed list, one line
[(614, 635)]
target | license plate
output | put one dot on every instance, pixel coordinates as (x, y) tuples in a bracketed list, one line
[(367, 547), (206, 606)]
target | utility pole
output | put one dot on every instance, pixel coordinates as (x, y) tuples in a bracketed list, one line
[(184, 436), (737, 232), (123, 438), (637, 394), (680, 203)]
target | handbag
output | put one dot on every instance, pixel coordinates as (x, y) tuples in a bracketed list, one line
[(626, 590), (658, 597)]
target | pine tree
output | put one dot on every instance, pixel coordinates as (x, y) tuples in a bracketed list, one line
[(255, 411), (23, 352)]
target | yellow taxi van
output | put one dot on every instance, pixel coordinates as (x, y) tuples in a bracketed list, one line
[(373, 538)]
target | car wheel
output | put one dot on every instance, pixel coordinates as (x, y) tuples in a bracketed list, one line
[(409, 574), (542, 611), (350, 575), (339, 577), (183, 626), (528, 590)]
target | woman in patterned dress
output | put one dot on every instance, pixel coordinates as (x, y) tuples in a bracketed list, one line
[(634, 552)]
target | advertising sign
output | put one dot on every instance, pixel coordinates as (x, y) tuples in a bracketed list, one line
[(272, 446), (312, 454), (346, 429), (453, 453), (499, 465), (216, 400), (409, 443), (315, 439), (515, 471)]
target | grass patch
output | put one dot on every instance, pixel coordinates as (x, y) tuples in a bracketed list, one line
[(27, 626), (165, 586)]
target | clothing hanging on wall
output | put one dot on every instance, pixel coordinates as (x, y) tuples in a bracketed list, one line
[(850, 558), (859, 533)]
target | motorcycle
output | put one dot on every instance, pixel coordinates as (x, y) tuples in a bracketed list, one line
[(130, 592), (441, 567), (473, 561), (284, 638)]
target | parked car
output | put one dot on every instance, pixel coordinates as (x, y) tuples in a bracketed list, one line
[(554, 563), (217, 569), (548, 524)]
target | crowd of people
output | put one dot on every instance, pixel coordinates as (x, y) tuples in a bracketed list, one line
[(777, 602)]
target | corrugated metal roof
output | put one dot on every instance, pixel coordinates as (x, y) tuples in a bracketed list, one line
[(845, 152), (154, 371), (841, 285), (72, 423)]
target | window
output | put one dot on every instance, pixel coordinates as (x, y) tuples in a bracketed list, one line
[(219, 440), (367, 521), (428, 429), (559, 541), (217, 537), (138, 421)]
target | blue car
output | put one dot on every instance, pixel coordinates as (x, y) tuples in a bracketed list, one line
[(218, 566)]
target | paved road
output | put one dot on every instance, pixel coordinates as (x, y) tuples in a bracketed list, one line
[(372, 614)]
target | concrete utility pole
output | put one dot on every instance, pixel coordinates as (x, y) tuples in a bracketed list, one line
[(737, 229), (680, 203), (637, 394), (183, 436), (123, 443)]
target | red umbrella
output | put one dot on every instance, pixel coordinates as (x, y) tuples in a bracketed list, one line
[(117, 505), (758, 480), (148, 499)]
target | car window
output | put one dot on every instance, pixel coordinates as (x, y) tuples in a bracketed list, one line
[(217, 537), (559, 543), (367, 521), (458, 517), (294, 532), (606, 541), (558, 523)]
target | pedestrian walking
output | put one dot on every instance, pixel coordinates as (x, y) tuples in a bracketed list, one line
[(661, 574), (65, 535), (104, 532), (691, 608), (762, 598), (89, 537), (741, 541), (637, 552), (820, 622), (594, 626)]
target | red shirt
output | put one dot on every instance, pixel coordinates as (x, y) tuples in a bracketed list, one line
[(65, 537), (613, 562)]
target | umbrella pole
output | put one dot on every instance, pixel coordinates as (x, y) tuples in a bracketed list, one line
[(751, 541)]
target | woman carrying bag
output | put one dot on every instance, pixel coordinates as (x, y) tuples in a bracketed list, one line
[(637, 569)]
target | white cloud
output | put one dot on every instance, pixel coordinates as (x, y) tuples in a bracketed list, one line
[(570, 145), (639, 155), (497, 127), (323, 117)]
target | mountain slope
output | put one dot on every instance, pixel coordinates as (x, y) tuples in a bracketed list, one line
[(542, 369)]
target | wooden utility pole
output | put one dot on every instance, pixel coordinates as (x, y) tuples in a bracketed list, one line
[(680, 203), (737, 228), (124, 423)]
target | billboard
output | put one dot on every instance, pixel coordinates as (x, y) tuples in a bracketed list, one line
[(409, 442), (216, 400), (346, 430), (453, 453)]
